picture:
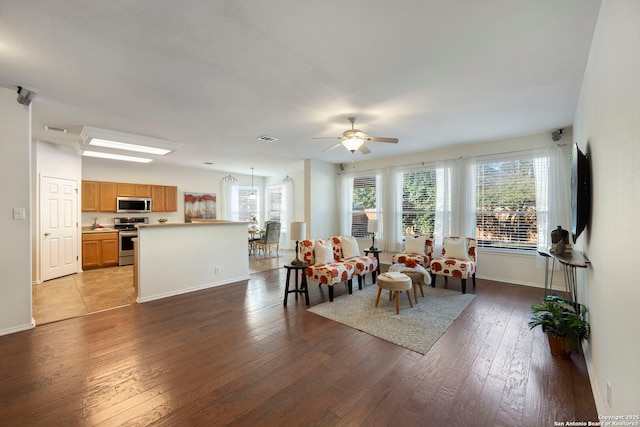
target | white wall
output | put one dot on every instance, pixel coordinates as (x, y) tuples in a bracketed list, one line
[(321, 203), (607, 128), (52, 160), (15, 192), (174, 259)]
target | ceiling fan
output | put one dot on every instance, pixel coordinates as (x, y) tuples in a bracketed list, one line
[(353, 139)]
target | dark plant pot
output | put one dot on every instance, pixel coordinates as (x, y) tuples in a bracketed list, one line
[(560, 346)]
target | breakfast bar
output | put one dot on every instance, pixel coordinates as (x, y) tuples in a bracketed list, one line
[(173, 259)]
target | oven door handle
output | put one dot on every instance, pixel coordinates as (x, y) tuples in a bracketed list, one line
[(128, 233)]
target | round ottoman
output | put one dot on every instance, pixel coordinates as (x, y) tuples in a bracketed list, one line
[(395, 283), (416, 280)]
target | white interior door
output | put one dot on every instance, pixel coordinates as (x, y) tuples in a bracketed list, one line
[(59, 227)]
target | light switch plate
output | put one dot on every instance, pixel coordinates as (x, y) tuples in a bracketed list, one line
[(19, 213)]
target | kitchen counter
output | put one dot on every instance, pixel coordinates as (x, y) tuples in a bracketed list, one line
[(99, 230), (196, 223)]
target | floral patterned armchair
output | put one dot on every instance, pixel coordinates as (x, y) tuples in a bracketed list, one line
[(362, 264), (412, 252), (328, 273), (459, 259)]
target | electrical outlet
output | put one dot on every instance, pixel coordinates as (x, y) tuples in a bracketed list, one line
[(217, 270), (609, 393)]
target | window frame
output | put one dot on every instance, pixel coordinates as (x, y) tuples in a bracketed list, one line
[(518, 247)]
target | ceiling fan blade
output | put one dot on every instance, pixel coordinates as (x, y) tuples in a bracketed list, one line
[(381, 139), (332, 147), (327, 137), (364, 149)]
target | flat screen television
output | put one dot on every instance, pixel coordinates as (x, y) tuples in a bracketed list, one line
[(580, 192)]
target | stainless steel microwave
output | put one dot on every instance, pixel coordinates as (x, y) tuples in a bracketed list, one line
[(133, 204)]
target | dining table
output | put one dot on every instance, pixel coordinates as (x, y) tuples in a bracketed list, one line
[(254, 234)]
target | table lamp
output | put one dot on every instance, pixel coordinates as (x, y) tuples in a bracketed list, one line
[(298, 232), (372, 228)]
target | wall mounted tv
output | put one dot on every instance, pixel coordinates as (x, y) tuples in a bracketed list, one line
[(580, 192)]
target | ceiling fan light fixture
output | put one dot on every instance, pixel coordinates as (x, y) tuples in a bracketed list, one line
[(353, 143)]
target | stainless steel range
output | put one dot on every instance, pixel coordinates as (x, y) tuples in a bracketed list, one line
[(128, 230)]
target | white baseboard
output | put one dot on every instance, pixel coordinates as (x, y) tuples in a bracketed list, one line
[(192, 289), (19, 328)]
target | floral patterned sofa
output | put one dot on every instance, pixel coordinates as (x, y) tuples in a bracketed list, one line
[(413, 252), (363, 264), (326, 271), (459, 259)]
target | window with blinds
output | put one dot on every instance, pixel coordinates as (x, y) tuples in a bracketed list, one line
[(506, 204), (364, 205), (276, 203), (419, 193), (246, 207)]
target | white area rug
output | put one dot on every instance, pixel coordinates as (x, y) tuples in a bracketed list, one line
[(416, 328)]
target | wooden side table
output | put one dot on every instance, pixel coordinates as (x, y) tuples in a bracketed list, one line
[(303, 289), (376, 254)]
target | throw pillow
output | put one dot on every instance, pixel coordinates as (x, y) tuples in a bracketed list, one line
[(323, 252), (415, 245), (455, 248), (350, 247)]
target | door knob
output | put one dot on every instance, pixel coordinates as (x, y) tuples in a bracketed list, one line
[(46, 234)]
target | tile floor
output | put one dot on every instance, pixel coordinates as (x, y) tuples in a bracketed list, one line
[(82, 293), (105, 288)]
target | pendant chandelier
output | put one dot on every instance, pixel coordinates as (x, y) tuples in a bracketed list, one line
[(252, 196)]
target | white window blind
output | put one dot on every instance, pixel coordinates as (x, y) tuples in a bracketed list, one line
[(364, 205), (276, 203), (243, 207), (419, 197), (506, 204)]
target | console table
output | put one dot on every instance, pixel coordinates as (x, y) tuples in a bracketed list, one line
[(570, 261)]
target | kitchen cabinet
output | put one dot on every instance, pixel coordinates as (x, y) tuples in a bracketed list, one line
[(171, 198), (108, 194), (90, 196), (164, 198), (99, 250), (143, 190), (133, 190), (99, 196)]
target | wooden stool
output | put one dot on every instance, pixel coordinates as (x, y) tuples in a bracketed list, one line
[(395, 283)]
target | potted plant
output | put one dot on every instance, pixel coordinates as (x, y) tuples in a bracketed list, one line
[(564, 325), (162, 220)]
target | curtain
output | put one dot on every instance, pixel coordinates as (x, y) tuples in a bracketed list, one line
[(552, 193), (346, 204), (226, 203), (287, 194)]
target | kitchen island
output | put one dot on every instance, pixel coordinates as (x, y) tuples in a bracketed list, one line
[(176, 258)]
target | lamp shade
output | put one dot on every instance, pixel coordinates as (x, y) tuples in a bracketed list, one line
[(298, 231), (372, 226)]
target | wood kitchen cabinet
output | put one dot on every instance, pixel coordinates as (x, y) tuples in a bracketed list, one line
[(99, 250), (164, 198), (100, 196), (133, 190), (90, 196), (108, 194)]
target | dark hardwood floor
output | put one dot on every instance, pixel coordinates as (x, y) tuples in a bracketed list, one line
[(233, 355)]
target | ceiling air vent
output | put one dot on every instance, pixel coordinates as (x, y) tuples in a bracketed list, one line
[(267, 138), (55, 129)]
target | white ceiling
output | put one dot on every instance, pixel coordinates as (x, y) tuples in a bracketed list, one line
[(215, 75)]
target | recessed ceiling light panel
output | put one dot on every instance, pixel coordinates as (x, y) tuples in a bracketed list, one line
[(126, 141), (111, 156)]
